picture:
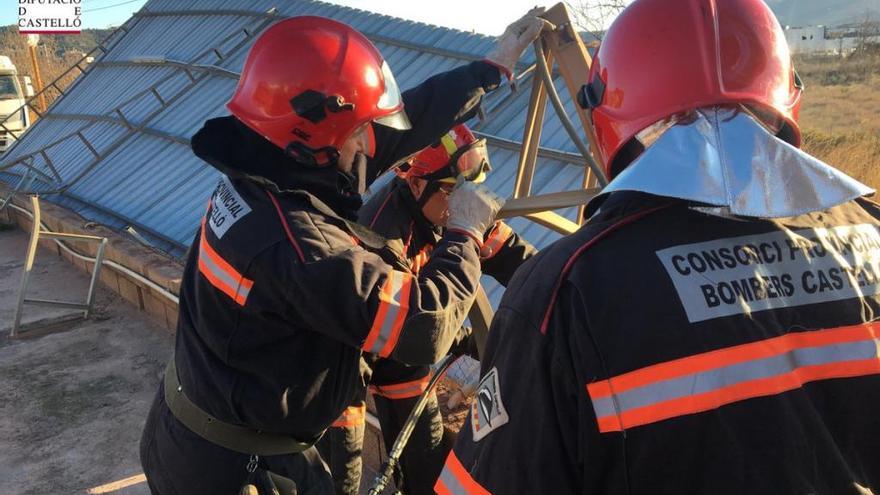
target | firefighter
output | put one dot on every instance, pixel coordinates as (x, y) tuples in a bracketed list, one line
[(283, 291), (712, 327), (412, 210)]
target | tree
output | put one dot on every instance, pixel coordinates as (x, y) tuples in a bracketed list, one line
[(594, 16), (867, 32)]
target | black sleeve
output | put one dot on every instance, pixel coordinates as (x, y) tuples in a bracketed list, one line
[(357, 298), (503, 252), (433, 107), (530, 404)]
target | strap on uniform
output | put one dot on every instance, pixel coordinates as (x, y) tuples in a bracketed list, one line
[(233, 437)]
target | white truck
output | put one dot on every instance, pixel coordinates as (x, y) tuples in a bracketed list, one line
[(12, 101)]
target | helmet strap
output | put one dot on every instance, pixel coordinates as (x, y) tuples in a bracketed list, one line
[(308, 156), (430, 188)]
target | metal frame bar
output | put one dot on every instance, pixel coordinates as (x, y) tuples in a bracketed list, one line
[(129, 222), (36, 233), (23, 183), (373, 36), (531, 135), (564, 46), (133, 129), (548, 153), (111, 39), (220, 71), (114, 120)]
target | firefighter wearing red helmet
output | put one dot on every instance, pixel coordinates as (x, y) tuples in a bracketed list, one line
[(283, 291), (412, 210), (712, 327)]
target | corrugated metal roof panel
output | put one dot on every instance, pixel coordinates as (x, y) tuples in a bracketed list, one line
[(105, 88), (177, 213), (160, 186), (182, 38), (204, 101)]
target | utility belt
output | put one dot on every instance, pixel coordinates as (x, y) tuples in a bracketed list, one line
[(233, 437)]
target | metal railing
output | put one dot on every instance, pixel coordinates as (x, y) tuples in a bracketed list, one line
[(36, 233)]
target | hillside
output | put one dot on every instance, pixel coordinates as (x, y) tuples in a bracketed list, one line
[(54, 53)]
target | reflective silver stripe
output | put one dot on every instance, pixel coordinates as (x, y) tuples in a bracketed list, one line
[(451, 482), (397, 279), (708, 381), (410, 391), (236, 285)]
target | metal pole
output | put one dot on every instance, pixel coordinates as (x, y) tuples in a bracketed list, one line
[(481, 318), (384, 475), (96, 272), (37, 78), (28, 264)]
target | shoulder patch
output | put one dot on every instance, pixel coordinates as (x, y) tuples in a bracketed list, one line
[(228, 207), (487, 411)]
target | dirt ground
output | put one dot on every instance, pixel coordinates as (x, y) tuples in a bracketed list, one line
[(74, 400), (75, 394)]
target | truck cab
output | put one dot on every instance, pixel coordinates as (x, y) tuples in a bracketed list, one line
[(12, 100)]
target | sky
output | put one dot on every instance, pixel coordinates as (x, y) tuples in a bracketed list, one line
[(483, 16)]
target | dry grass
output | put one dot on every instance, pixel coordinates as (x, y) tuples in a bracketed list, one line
[(840, 115), (856, 153)]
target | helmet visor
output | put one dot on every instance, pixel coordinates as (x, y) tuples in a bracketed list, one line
[(472, 161), (391, 100)]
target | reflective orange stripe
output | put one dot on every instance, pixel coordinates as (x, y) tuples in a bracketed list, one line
[(391, 314), (456, 480), (351, 416), (220, 273), (496, 240), (403, 390), (421, 259), (710, 380)]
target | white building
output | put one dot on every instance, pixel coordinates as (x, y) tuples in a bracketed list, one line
[(814, 39)]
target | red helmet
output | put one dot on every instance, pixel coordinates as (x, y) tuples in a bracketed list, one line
[(310, 82), (663, 57), (458, 153)]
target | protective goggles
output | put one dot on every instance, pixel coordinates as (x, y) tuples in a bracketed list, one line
[(471, 162)]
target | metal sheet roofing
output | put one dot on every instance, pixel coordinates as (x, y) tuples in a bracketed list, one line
[(174, 65)]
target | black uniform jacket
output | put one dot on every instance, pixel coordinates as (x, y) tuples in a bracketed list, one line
[(394, 213), (661, 349), (282, 292)]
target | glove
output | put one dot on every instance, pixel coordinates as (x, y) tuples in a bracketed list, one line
[(462, 379), (472, 209), (510, 46)]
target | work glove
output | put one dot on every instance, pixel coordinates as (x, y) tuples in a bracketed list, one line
[(462, 379), (510, 46), (472, 209)]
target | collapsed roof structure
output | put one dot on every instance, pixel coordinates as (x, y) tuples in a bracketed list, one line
[(115, 147)]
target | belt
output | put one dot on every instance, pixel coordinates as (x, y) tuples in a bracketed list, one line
[(233, 437)]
